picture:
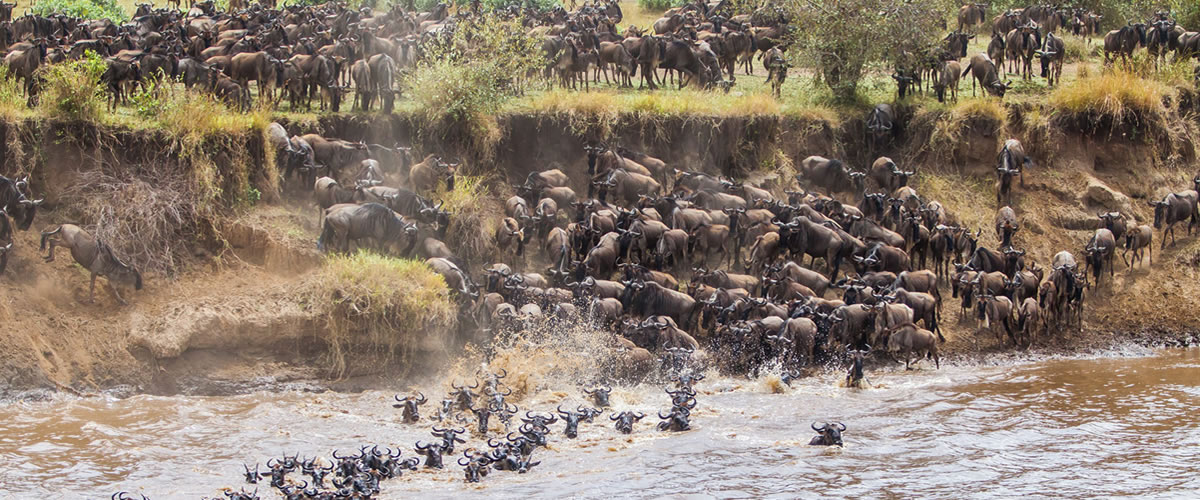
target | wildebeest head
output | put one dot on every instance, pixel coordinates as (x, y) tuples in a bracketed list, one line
[(1160, 211), (463, 396), (409, 405), (433, 454), (880, 122), (571, 419), (121, 273), (624, 421), (855, 376), (449, 436), (599, 395), (475, 467), (829, 434), (676, 420), (1046, 57)]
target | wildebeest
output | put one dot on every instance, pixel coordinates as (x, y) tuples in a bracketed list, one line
[(1099, 253), (15, 203), (1051, 55), (1174, 208), (831, 175), (1124, 41), (94, 255), (1021, 45), (986, 73), (1012, 157), (909, 339), (992, 310), (1029, 318), (971, 14), (881, 126), (1138, 240), (346, 222), (947, 78), (829, 434)]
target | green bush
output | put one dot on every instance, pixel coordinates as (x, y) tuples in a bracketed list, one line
[(471, 73), (660, 5), (86, 9), (71, 90)]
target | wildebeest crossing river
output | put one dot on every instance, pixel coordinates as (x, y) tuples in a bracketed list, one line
[(1061, 427)]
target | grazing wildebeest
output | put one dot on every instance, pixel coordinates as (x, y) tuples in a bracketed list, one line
[(1174, 208), (1138, 241), (94, 255), (1124, 41), (986, 73)]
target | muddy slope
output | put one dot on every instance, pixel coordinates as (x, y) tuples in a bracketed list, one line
[(226, 319)]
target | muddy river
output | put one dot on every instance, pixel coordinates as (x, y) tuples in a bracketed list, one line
[(1063, 427)]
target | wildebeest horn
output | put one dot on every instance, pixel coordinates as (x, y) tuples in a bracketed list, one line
[(818, 429), (841, 426)]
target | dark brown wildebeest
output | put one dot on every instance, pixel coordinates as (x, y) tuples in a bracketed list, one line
[(956, 44), (996, 49), (1005, 22), (259, 67), (22, 64), (1006, 225), (383, 80), (1173, 209), (1029, 320), (947, 78), (909, 340), (1012, 157), (924, 308), (347, 222), (117, 77), (1138, 240), (425, 176), (1124, 41), (647, 299), (777, 69), (363, 85), (456, 279), (1052, 54), (986, 73), (887, 175), (329, 193), (830, 175), (1159, 40), (986, 260), (995, 310), (1115, 222), (1004, 184), (971, 14), (881, 127), (649, 51), (1021, 44), (94, 255), (6, 239), (1099, 253)]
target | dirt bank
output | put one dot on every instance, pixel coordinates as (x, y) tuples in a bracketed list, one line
[(222, 315)]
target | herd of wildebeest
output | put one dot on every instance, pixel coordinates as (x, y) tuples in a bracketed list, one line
[(325, 51)]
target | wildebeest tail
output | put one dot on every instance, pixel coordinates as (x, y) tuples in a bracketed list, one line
[(966, 71), (46, 237)]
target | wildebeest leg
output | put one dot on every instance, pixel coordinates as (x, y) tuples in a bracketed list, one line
[(115, 292), (50, 255), (92, 290)]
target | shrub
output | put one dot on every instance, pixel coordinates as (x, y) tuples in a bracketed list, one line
[(467, 76), (72, 90), (381, 304), (85, 9), (473, 219), (659, 5)]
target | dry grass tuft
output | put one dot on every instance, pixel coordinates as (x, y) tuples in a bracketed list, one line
[(152, 225), (944, 130), (381, 304), (1114, 98), (474, 215)]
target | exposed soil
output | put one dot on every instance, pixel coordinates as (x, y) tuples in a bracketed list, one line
[(230, 320)]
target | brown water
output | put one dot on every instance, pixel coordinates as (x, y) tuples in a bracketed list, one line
[(1073, 427)]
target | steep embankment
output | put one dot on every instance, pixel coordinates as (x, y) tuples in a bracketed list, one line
[(229, 251)]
